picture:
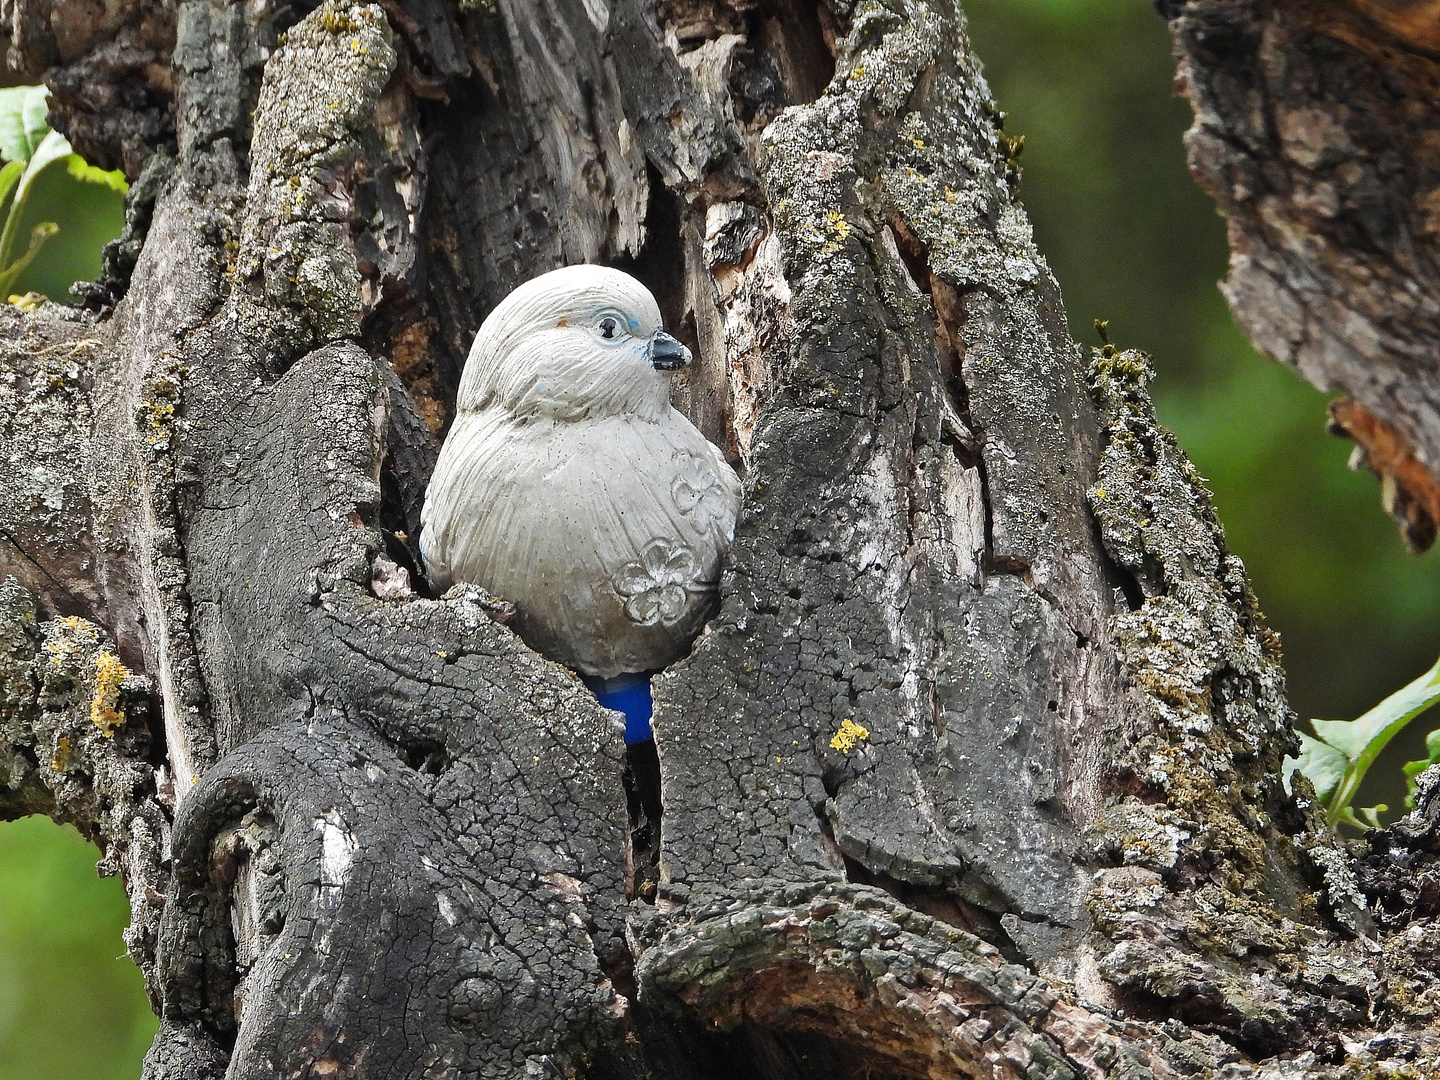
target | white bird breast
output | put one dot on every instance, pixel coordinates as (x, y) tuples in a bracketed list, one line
[(575, 490)]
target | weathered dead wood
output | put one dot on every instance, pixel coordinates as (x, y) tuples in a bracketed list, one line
[(1316, 132)]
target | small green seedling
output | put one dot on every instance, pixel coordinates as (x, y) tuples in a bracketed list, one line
[(1338, 759), (1413, 769), (28, 147)]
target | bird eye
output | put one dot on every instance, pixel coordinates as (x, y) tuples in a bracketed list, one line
[(609, 328)]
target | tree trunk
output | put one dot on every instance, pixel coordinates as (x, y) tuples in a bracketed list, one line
[(976, 772)]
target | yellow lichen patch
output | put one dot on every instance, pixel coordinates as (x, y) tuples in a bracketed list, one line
[(74, 634), (155, 415), (1202, 793), (61, 758), (1223, 922), (28, 302), (831, 231), (849, 736), (104, 706), (337, 20)]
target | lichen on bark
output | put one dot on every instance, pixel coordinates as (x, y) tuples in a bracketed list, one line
[(1208, 850), (1195, 643), (295, 247), (75, 745)]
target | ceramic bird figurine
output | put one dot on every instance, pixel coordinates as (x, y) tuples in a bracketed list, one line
[(570, 486)]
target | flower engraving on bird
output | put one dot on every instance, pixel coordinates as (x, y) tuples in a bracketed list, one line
[(697, 489), (657, 588), (570, 486)]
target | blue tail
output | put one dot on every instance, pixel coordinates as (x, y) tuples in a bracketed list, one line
[(629, 694)]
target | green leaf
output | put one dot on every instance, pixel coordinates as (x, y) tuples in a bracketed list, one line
[(1370, 815), (38, 235), (1320, 763), (30, 147), (1399, 708), (1412, 769), (1382, 723), (51, 149), (81, 169), (1359, 742), (1343, 735), (22, 121), (8, 175)]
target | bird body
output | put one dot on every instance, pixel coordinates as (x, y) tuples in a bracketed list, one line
[(570, 486)]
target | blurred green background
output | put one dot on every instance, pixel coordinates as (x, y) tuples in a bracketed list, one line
[(72, 1005), (1131, 239), (89, 216)]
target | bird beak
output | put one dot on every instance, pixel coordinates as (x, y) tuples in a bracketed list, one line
[(666, 353)]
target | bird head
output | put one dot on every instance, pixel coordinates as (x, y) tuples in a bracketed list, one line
[(577, 342)]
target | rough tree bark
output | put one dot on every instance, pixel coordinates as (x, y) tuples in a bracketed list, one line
[(976, 772), (1317, 131)]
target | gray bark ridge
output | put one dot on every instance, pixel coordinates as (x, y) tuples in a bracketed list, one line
[(880, 575), (975, 764)]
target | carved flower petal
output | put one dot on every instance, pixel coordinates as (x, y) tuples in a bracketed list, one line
[(679, 568), (694, 484), (656, 555), (633, 580), (672, 602), (711, 506), (685, 496), (645, 609)]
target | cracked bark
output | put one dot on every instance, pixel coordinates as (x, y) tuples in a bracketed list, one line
[(366, 832)]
